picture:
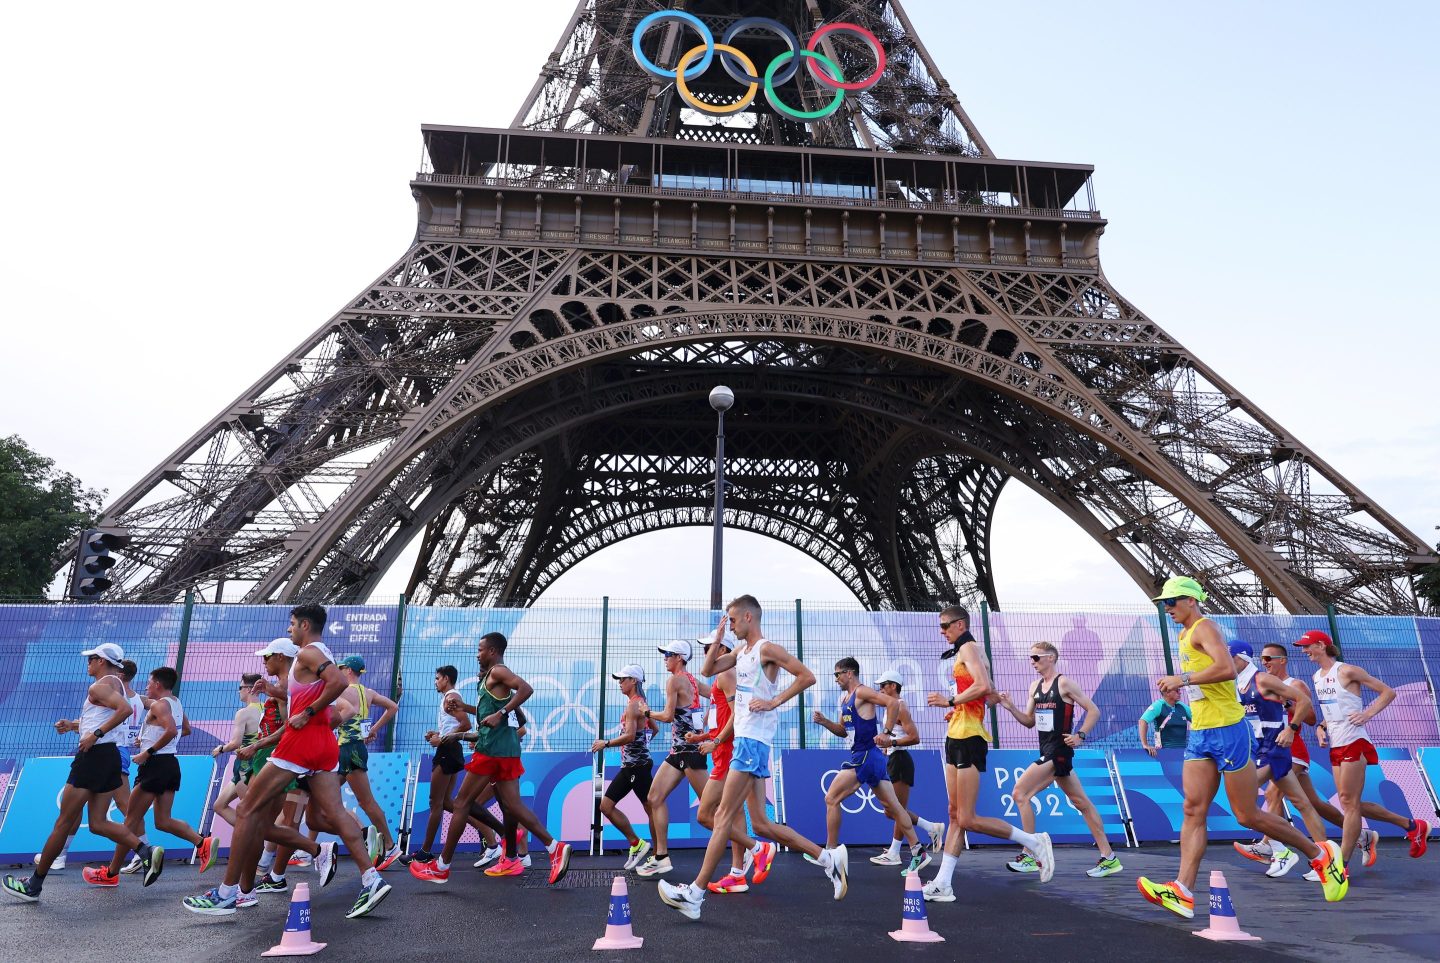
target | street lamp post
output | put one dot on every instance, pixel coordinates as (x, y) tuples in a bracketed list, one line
[(721, 399)]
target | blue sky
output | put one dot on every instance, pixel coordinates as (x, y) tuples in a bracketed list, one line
[(187, 191)]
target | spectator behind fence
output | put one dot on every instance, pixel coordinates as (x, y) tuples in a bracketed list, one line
[(1171, 719)]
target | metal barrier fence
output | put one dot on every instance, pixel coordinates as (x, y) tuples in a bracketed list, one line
[(567, 651)]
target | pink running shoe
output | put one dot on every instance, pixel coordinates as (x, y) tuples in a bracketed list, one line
[(505, 867), (764, 859), (429, 872), (729, 884)]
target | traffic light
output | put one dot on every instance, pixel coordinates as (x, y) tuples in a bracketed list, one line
[(93, 561)]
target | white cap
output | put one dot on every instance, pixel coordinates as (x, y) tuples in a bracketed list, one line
[(631, 671), (709, 640), (680, 647), (280, 647), (108, 651), (890, 675)]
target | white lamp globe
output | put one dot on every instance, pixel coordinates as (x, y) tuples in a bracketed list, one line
[(721, 398)]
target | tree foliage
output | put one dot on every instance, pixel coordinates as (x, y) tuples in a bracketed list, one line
[(1427, 586), (41, 508)]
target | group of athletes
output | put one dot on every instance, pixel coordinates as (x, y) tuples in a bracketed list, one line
[(303, 727)]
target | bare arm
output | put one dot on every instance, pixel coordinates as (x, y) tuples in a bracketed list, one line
[(313, 659), (1025, 718), (105, 693), (630, 722), (519, 691), (1208, 639), (1384, 695), (1273, 687), (165, 719), (898, 714), (804, 678), (718, 658), (1077, 695), (390, 707), (237, 734), (978, 689), (672, 699), (829, 725), (1145, 737)]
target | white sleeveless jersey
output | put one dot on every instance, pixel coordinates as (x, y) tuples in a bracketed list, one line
[(1336, 704), (751, 682), (92, 717), (151, 733), (136, 720), (445, 723)]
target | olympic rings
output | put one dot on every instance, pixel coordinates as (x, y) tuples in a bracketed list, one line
[(719, 110), (741, 68)]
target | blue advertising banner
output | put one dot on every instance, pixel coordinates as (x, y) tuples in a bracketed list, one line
[(806, 775), (1395, 784), (1428, 760), (1053, 812), (36, 803), (389, 774), (557, 786)]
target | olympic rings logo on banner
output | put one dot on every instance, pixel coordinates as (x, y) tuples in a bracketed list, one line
[(741, 68), (863, 794)]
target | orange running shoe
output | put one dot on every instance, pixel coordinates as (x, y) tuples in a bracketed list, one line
[(205, 853), (730, 883), (1167, 895), (1419, 839), (1370, 843), (559, 863), (505, 866), (1256, 851), (764, 860), (1330, 866), (99, 876), (430, 872)]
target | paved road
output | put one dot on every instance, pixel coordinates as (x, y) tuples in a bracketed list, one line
[(1390, 910)]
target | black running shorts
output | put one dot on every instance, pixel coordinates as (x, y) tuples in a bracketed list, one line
[(900, 767), (97, 770), (629, 779), (967, 752), (1064, 762), (687, 760), (160, 774), (449, 758)]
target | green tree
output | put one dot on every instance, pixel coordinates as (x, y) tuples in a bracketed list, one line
[(41, 508), (1427, 586)]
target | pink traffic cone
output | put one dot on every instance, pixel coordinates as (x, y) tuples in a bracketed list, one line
[(295, 941), (617, 924), (914, 926), (1223, 923)]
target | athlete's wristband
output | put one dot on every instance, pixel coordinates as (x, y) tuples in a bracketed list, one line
[(1294, 727)]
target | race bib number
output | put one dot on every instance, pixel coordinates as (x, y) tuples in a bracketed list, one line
[(512, 720), (1045, 721), (1257, 728), (697, 719), (1195, 693), (365, 730)]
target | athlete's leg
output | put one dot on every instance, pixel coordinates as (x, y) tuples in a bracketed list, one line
[(1201, 780), (101, 824), (255, 823), (611, 811), (325, 797), (167, 823), (1031, 783), (470, 788), (359, 782), (968, 780), (440, 783), (122, 794), (765, 826), (954, 833), (840, 790), (72, 806), (732, 798), (666, 778), (902, 794), (507, 793), (1289, 786), (140, 803), (1242, 791), (885, 792), (229, 791), (1075, 792), (1350, 782)]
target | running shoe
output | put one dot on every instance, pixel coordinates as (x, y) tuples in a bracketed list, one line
[(935, 893), (1311, 877), (430, 872), (489, 856), (370, 897), (99, 876), (135, 865), (1025, 864), (1370, 843), (300, 860), (682, 898), (1331, 867), (389, 858), (1259, 852), (730, 883), (559, 863), (524, 861), (839, 870), (372, 843), (20, 889), (327, 862), (506, 867), (918, 861), (637, 853), (937, 842), (272, 885), (654, 867), (205, 853), (1419, 838), (764, 856), (422, 856), (1104, 867), (154, 865), (1167, 895), (887, 858), (1045, 856), (1282, 862), (59, 863), (246, 901), (211, 903)]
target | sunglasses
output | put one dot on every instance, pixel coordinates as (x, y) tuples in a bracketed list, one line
[(841, 672), (1037, 658), (1170, 603), (946, 625), (1272, 658)]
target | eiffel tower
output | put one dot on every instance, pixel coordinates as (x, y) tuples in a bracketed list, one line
[(909, 321)]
